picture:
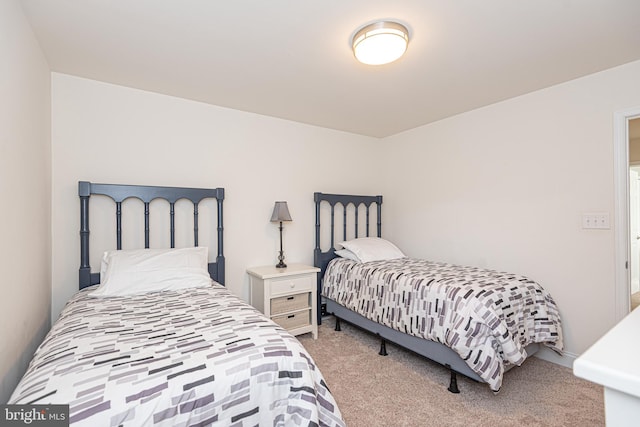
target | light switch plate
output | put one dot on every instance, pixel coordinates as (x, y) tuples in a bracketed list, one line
[(596, 220)]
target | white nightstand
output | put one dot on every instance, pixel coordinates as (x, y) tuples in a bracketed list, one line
[(287, 296)]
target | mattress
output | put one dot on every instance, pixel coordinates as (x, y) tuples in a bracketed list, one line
[(487, 317), (191, 357)]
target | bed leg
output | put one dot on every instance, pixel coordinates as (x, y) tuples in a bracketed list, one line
[(383, 347), (453, 385), (337, 328)]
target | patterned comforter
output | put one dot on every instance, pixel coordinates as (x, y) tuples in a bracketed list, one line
[(177, 358), (487, 317)]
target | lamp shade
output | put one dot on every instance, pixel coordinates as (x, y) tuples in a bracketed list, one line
[(280, 212), (380, 43)]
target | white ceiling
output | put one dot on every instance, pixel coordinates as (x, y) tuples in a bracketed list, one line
[(292, 59)]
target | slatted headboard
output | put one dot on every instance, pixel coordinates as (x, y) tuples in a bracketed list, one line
[(321, 259), (146, 194)]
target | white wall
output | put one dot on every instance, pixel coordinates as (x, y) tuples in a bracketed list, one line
[(25, 193), (114, 134), (504, 187)]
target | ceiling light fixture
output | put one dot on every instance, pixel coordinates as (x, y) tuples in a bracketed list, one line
[(380, 43)]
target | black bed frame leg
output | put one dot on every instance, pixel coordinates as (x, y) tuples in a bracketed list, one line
[(383, 347), (337, 328), (453, 385)]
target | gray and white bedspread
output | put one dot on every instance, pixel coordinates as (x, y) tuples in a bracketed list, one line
[(178, 358), (487, 317)]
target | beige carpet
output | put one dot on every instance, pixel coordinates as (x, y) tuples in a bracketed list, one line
[(404, 389)]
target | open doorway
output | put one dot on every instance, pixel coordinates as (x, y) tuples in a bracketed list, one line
[(621, 165), (634, 212)]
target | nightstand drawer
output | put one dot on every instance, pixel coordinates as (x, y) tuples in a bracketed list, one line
[(289, 285), (293, 320), (290, 303)]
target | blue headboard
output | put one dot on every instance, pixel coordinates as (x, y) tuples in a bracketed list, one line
[(321, 259), (146, 194)]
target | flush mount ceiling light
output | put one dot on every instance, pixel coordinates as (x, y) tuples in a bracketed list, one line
[(380, 43)]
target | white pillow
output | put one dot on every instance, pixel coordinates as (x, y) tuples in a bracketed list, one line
[(373, 249), (346, 253), (152, 270)]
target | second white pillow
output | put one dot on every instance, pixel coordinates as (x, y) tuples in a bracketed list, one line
[(373, 249)]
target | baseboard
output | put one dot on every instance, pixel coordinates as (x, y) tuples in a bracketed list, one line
[(549, 355)]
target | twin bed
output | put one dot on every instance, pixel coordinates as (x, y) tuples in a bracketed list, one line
[(161, 342), (477, 322)]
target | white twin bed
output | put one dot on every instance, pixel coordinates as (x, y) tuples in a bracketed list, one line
[(158, 342), (477, 322)]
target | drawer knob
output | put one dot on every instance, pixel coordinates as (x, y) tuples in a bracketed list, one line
[(292, 285)]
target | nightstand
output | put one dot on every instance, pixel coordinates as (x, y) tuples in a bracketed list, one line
[(287, 296)]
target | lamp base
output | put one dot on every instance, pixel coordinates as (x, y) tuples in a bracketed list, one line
[(281, 264)]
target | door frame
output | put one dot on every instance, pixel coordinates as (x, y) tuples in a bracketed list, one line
[(622, 296), (634, 228)]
